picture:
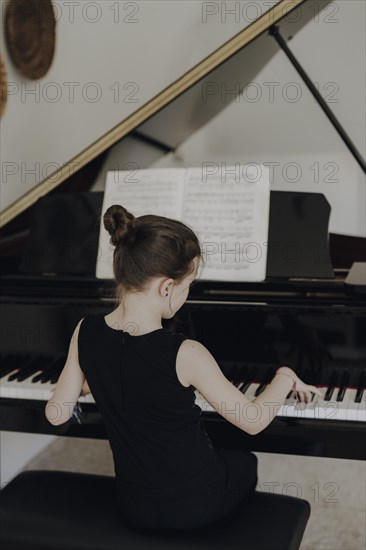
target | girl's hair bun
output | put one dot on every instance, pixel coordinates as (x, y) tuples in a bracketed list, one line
[(119, 223)]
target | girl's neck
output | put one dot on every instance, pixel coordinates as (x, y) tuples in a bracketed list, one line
[(134, 323)]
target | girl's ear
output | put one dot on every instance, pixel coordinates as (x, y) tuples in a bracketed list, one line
[(165, 286)]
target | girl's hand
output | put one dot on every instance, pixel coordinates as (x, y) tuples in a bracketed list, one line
[(303, 391)]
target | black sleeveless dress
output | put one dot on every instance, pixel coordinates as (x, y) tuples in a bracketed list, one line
[(168, 474)]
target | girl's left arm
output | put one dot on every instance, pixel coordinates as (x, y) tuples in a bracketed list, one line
[(60, 406)]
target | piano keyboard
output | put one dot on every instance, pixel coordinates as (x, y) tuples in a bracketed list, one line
[(347, 409), (25, 376)]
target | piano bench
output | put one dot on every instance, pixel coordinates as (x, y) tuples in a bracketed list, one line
[(57, 510)]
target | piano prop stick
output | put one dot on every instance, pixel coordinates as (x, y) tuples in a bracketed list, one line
[(274, 31)]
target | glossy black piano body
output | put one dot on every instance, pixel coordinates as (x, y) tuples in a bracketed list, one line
[(244, 326)]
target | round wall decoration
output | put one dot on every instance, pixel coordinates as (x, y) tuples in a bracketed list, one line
[(30, 35), (3, 87)]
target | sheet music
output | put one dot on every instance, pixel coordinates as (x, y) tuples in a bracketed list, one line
[(229, 211), (155, 191)]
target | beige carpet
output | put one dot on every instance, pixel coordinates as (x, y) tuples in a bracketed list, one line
[(335, 488)]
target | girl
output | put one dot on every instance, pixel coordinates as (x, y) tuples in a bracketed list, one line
[(142, 377)]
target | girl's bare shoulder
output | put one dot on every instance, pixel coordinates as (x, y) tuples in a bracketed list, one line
[(193, 356)]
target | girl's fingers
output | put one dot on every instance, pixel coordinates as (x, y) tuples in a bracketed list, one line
[(316, 390), (313, 389), (304, 396), (308, 397), (300, 396)]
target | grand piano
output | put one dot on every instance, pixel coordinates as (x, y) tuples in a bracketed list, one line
[(310, 315)]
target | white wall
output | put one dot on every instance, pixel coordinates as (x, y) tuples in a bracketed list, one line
[(102, 72), (277, 121), (296, 136)]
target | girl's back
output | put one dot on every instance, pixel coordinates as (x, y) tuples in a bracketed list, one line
[(168, 473)]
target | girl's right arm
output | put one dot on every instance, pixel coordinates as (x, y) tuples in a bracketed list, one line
[(197, 367)]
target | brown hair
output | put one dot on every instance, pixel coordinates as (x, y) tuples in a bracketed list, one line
[(148, 246)]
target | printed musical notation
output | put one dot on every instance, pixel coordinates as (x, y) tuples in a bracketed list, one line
[(230, 217)]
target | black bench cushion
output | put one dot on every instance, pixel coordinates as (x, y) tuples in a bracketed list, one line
[(73, 511)]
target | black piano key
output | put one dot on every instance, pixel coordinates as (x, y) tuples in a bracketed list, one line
[(244, 372), (9, 362), (308, 376), (225, 367), (233, 374), (260, 388), (244, 388), (13, 361), (268, 375), (34, 365), (360, 387), (300, 372), (237, 379), (51, 373), (315, 377), (329, 393), (332, 383), (265, 385), (50, 370), (242, 376), (359, 395), (56, 374), (42, 375), (251, 378), (343, 385)]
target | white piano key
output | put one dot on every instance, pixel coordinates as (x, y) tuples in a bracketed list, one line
[(318, 409), (350, 393), (249, 394), (354, 411), (294, 409), (26, 389), (88, 398)]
